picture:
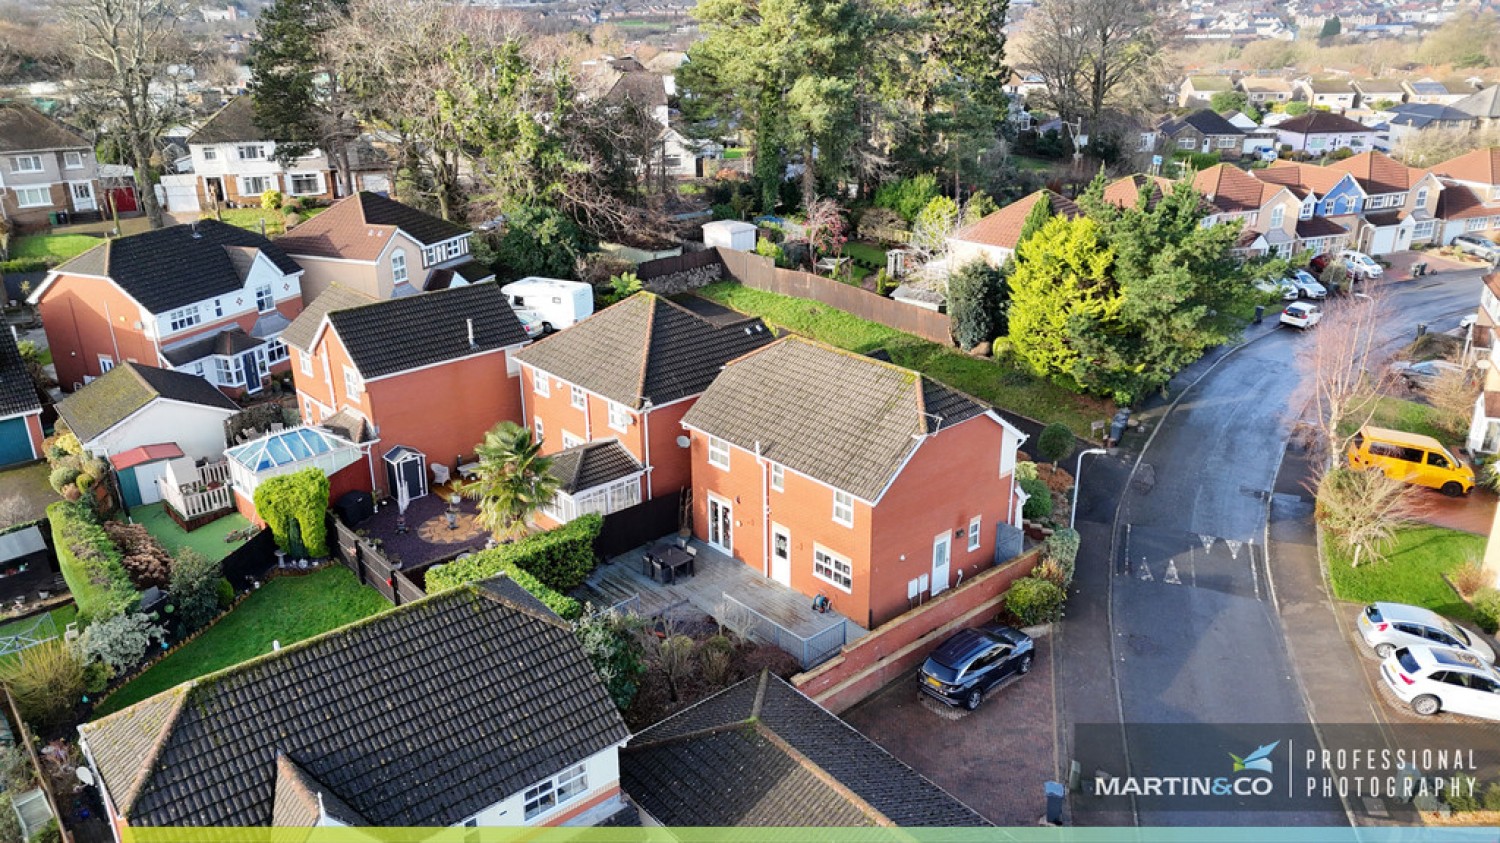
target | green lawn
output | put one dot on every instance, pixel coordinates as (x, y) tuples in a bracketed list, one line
[(208, 540), (53, 247), (286, 609), (250, 218), (999, 383), (734, 152), (1408, 416), (1034, 165), (1412, 571)]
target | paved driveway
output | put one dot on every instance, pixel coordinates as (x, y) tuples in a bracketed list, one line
[(995, 759)]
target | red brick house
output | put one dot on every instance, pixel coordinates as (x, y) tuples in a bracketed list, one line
[(206, 298), (842, 475), (628, 373), (429, 373)]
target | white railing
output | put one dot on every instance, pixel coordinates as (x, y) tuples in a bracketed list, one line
[(214, 472), (192, 496)]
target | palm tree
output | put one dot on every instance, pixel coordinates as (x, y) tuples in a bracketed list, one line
[(512, 481)]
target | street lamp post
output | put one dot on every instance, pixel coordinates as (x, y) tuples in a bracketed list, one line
[(1077, 480)]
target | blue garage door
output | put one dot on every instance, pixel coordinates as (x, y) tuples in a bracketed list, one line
[(15, 442)]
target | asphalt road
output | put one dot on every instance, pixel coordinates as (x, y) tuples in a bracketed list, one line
[(1196, 635)]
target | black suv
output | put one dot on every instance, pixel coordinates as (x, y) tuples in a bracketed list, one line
[(972, 661)]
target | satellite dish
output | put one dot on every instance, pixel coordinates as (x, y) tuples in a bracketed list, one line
[(683, 442), (85, 775)]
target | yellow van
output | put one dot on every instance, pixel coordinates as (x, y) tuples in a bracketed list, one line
[(1413, 458)]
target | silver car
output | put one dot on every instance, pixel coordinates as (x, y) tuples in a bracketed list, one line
[(1389, 626), (1307, 285), (1434, 679), (1479, 247), (1425, 373)]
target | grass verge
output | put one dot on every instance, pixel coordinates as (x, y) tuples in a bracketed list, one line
[(1412, 571), (1404, 415), (286, 609), (53, 247), (999, 383)]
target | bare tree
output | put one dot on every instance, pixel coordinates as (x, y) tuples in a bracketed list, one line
[(1362, 510), (1429, 147), (1452, 395), (1092, 53), (129, 54), (1339, 371)]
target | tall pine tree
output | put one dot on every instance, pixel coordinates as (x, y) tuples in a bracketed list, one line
[(294, 92)]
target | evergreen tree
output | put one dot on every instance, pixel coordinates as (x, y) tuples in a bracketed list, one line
[(1332, 28), (290, 84), (976, 303), (1061, 275)]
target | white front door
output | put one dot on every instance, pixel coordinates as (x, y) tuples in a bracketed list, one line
[(781, 555), (940, 547), (720, 524), (83, 196)]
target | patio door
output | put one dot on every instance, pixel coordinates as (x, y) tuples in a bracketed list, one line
[(940, 552), (781, 555), (720, 524)]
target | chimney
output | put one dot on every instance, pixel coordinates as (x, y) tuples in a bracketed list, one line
[(472, 343)]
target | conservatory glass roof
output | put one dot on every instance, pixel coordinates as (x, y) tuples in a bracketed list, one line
[(279, 449)]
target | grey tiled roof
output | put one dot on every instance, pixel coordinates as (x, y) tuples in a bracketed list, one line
[(234, 122), (24, 129), (1210, 123), (406, 333), (17, 391), (645, 347), (760, 753), (178, 265), (419, 716), (303, 330), (838, 417), (301, 800), (592, 464), (109, 399), (225, 343)]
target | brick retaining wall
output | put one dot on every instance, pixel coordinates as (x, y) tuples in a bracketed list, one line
[(865, 666)]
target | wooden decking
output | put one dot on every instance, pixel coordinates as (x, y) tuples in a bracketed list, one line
[(717, 574)]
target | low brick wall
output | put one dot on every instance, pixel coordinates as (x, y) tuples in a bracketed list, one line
[(865, 666)]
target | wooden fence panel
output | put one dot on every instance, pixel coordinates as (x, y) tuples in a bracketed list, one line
[(667, 266), (634, 526)]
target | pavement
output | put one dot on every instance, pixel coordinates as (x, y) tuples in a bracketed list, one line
[(1200, 599), (994, 759)]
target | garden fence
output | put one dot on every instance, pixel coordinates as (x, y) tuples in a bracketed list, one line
[(810, 651), (41, 628), (372, 567)]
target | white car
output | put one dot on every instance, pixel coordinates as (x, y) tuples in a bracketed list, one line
[(1301, 315), (1277, 287), (1434, 679), (1307, 285), (1361, 264), (1389, 626), (531, 323)]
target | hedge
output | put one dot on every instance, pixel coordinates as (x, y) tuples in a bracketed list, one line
[(20, 265), (90, 562), (490, 563), (300, 498)]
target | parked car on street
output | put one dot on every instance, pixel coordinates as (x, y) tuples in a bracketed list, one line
[(973, 661), (1434, 679), (531, 323), (1411, 458), (1479, 247), (1277, 287), (1420, 375), (1307, 285), (1301, 315), (1361, 264), (1319, 263), (1388, 626)]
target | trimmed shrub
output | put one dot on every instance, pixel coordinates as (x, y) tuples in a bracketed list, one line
[(120, 642), (609, 640), (1055, 442), (46, 681), (17, 266), (1034, 600), (1492, 797), (1039, 503), (1026, 470), (296, 508), (195, 589), (1062, 546), (145, 560), (224, 591), (493, 562), (1486, 602), (63, 477), (559, 559), (91, 563)]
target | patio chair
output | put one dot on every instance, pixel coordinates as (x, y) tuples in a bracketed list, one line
[(691, 551), (439, 474)]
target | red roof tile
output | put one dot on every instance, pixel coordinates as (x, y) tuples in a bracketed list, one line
[(1003, 227)]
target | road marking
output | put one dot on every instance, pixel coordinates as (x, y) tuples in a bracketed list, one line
[(1127, 550), (1171, 576), (1145, 571), (1254, 572)]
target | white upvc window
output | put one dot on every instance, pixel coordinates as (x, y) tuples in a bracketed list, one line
[(1278, 216), (718, 452), (306, 360), (540, 431), (398, 266), (1477, 224), (570, 441), (1307, 210), (210, 154), (1227, 142), (254, 185), (1317, 142), (539, 383), (1422, 198), (306, 184), (1187, 143), (229, 371), (832, 568), (778, 477), (558, 790), (33, 197), (251, 152), (265, 299), (276, 351), (974, 526), (619, 417), (26, 164), (105, 363), (183, 318), (577, 399), (353, 386), (843, 508), (72, 160)]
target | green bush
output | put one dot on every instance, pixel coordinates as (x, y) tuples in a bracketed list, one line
[(493, 562), (1039, 504), (1492, 797), (610, 642), (1035, 601), (120, 642), (224, 591), (1026, 470), (1486, 602), (909, 196), (10, 823), (976, 303), (1462, 799), (1062, 548), (560, 559), (46, 681), (296, 508), (91, 564), (1055, 442), (195, 589), (766, 249), (48, 833), (63, 477), (19, 265)]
